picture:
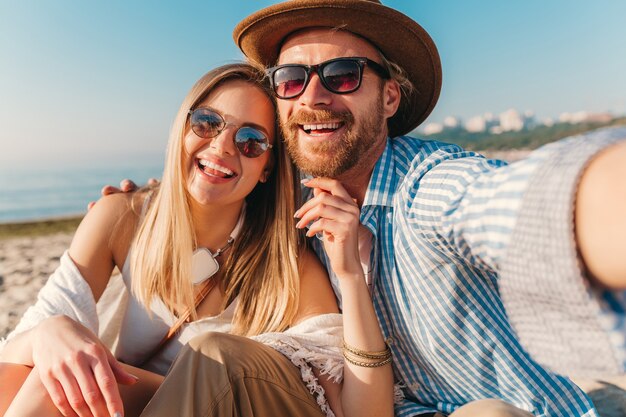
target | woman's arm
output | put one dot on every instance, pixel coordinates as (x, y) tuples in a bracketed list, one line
[(70, 360), (335, 214), (34, 400), (100, 242)]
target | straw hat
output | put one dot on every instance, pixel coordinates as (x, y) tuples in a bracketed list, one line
[(400, 39)]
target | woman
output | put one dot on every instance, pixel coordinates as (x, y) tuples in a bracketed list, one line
[(227, 187)]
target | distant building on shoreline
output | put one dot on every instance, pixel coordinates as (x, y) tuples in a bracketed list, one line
[(511, 120)]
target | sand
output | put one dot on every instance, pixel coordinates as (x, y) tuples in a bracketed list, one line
[(25, 265)]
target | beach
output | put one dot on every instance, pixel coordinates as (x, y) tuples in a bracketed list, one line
[(29, 253), (26, 263)]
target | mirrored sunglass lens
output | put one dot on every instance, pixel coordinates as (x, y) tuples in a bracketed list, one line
[(251, 142), (206, 123), (289, 81), (342, 76)]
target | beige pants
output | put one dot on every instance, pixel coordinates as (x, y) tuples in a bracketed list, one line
[(223, 375)]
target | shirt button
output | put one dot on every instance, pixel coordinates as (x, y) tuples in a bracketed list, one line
[(389, 341)]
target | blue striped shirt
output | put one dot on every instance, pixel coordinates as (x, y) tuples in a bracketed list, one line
[(442, 219)]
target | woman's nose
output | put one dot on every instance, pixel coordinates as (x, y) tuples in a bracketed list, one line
[(224, 142)]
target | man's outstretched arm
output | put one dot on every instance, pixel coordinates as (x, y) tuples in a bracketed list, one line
[(600, 217)]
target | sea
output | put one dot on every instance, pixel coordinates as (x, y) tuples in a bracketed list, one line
[(29, 193)]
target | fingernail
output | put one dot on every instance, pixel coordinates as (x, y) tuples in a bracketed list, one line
[(117, 414), (304, 181), (134, 376), (298, 224), (296, 214)]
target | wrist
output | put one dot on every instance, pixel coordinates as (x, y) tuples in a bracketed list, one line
[(350, 276), (19, 350)]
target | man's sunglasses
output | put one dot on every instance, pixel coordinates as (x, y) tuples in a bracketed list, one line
[(207, 124), (339, 76)]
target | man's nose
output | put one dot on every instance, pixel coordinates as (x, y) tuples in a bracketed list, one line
[(315, 94)]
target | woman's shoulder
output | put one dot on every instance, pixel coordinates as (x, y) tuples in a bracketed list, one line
[(115, 212), (110, 225), (311, 269), (308, 259), (316, 293)]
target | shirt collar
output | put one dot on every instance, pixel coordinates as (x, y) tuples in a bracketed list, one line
[(382, 185)]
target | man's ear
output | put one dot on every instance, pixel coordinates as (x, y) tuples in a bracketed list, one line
[(391, 98)]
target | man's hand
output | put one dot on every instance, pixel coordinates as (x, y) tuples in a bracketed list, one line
[(126, 186)]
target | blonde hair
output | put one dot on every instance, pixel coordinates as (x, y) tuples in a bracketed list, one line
[(261, 269)]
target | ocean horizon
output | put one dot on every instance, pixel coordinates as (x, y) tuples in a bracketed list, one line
[(31, 193)]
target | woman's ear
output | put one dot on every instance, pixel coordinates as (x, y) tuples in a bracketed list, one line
[(267, 170)]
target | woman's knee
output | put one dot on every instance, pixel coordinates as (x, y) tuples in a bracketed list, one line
[(215, 344), (490, 407), (232, 352), (235, 354)]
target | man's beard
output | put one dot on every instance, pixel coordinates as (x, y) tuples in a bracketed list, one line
[(331, 158)]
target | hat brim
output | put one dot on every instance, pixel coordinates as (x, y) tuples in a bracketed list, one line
[(400, 39)]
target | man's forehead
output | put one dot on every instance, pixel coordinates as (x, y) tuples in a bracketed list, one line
[(324, 43)]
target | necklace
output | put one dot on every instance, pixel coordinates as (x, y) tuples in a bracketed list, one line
[(204, 263)]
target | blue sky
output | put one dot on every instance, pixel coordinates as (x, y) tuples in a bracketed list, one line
[(100, 81)]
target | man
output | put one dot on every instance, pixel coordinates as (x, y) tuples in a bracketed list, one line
[(487, 279)]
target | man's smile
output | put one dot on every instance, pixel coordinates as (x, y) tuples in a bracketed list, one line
[(321, 129)]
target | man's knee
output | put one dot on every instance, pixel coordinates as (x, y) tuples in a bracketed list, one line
[(490, 408)]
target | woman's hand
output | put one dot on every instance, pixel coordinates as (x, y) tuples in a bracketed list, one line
[(78, 371), (335, 214)]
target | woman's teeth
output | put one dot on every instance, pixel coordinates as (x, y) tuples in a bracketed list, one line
[(212, 168)]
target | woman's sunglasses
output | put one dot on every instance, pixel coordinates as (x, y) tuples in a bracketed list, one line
[(207, 124), (339, 76)]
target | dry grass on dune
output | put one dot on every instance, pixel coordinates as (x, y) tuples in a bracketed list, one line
[(39, 228)]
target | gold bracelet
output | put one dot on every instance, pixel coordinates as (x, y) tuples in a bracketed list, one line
[(357, 358), (367, 364), (383, 354)]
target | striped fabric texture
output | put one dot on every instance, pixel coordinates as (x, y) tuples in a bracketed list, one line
[(443, 221)]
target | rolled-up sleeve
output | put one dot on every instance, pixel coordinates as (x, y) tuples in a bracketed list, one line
[(557, 316)]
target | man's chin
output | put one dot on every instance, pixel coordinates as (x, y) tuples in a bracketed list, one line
[(315, 166), (326, 159), (321, 166)]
